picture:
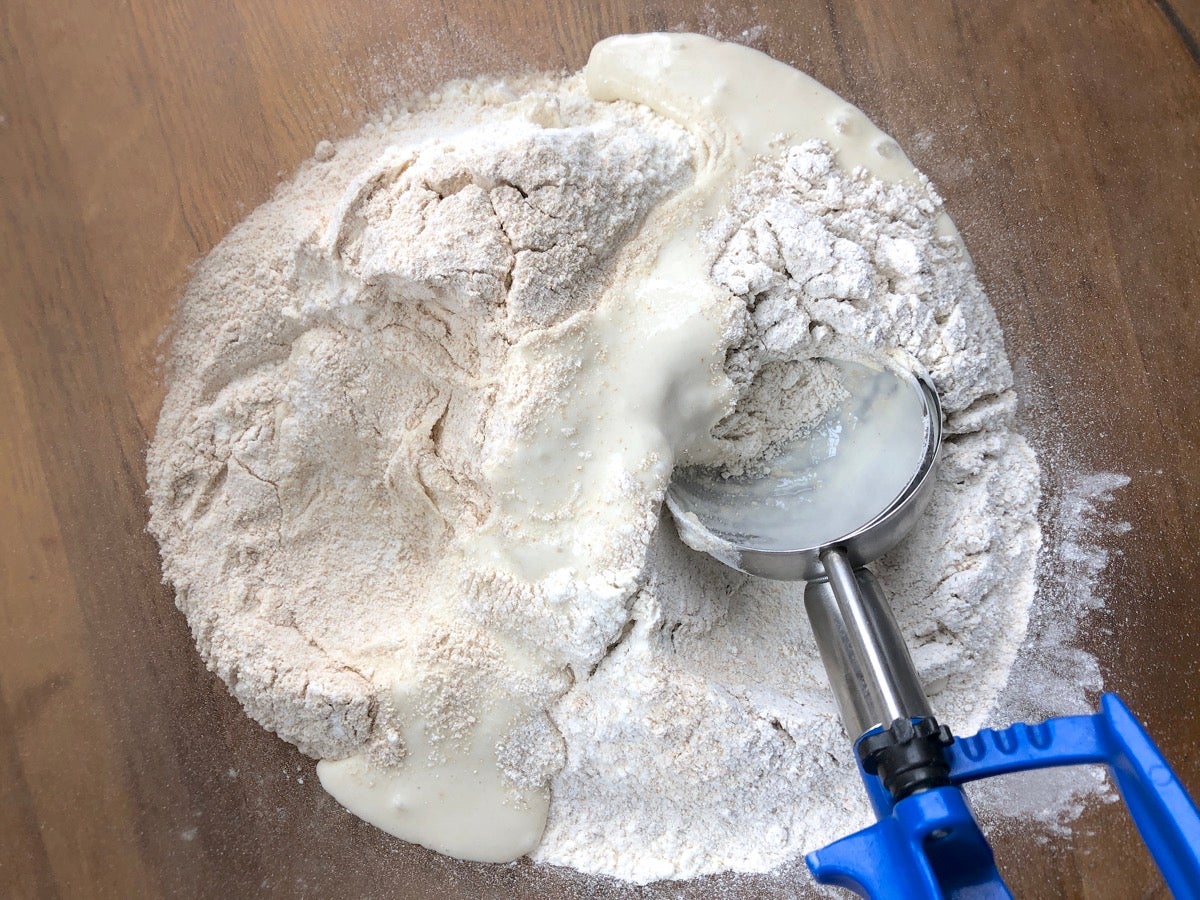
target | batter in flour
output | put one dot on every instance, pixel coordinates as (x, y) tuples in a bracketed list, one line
[(424, 406)]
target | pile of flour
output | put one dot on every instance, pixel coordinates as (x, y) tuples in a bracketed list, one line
[(348, 361), (708, 740)]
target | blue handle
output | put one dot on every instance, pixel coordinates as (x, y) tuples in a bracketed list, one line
[(928, 846), (1163, 812), (900, 855)]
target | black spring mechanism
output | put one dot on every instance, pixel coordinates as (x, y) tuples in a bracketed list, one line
[(908, 756)]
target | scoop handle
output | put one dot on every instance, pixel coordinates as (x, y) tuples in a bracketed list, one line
[(870, 670), (1165, 816), (928, 845)]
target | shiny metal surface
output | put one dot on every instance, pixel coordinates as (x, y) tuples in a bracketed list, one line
[(860, 546), (864, 654)]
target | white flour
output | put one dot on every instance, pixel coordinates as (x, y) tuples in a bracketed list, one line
[(708, 739), (350, 358), (335, 366)]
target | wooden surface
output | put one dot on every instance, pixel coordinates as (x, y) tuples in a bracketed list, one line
[(134, 134)]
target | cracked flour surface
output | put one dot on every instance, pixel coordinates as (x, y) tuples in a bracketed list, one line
[(342, 367)]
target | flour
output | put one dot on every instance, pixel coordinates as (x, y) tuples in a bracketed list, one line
[(709, 740), (332, 374), (357, 361), (1059, 677)]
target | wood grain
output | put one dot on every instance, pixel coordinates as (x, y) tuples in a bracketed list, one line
[(134, 134)]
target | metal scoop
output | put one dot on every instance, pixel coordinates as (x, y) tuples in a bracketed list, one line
[(790, 525), (748, 523)]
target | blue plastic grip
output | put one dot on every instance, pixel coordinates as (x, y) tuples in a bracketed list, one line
[(1161, 809), (904, 854), (928, 846)]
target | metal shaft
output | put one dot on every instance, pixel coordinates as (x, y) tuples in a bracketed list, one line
[(865, 657)]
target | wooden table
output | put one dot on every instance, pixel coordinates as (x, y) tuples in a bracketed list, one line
[(134, 134)]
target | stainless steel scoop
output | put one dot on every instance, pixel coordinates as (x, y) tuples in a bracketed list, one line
[(865, 657), (926, 842)]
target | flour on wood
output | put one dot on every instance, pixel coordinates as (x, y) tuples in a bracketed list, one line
[(349, 362)]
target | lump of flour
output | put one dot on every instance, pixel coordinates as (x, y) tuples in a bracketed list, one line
[(357, 363)]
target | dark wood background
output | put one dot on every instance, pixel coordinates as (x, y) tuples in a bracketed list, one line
[(135, 133)]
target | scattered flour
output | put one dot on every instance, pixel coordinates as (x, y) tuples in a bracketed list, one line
[(1058, 677), (350, 357)]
